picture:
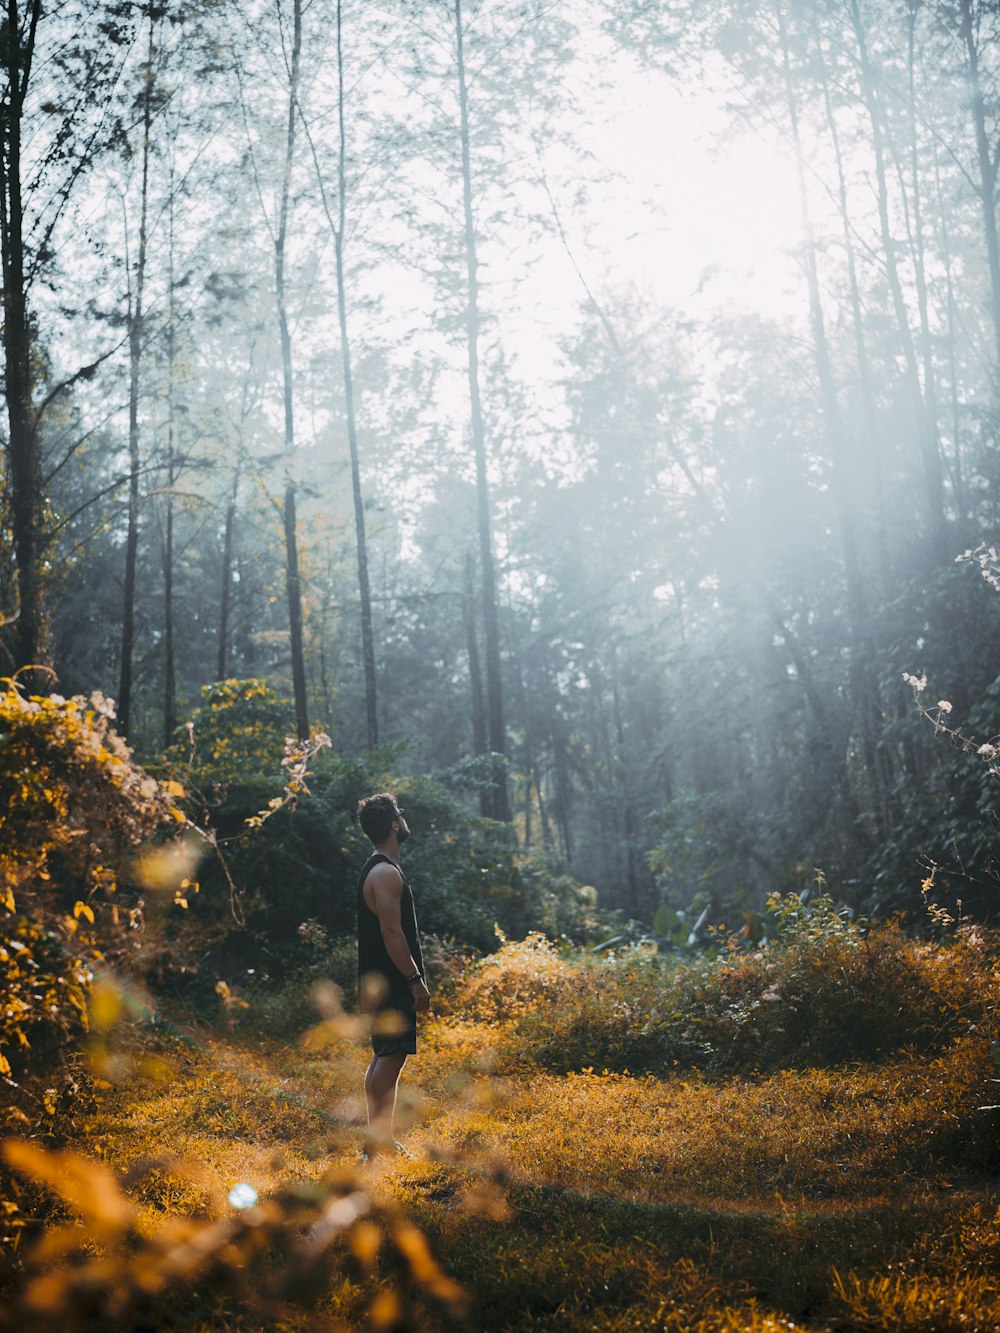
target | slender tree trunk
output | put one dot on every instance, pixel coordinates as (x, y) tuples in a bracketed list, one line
[(543, 818), (926, 423), (629, 826), (135, 335), (969, 29), (367, 632), (563, 794), (873, 435), (169, 668), (954, 402), (479, 742), (225, 601), (862, 646), (25, 480), (821, 352), (293, 580), (919, 267), (292, 577), (494, 685)]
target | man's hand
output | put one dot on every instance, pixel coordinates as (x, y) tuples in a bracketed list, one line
[(421, 996)]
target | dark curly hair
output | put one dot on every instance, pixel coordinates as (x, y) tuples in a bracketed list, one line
[(376, 813)]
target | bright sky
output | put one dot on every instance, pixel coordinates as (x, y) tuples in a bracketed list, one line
[(700, 215), (695, 200)]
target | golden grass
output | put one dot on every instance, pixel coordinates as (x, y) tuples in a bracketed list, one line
[(809, 1199), (815, 1134)]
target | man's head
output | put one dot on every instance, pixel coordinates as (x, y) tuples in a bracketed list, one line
[(380, 815)]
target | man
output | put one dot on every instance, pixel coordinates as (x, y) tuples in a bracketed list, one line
[(391, 983)]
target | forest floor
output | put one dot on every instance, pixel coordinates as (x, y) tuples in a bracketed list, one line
[(807, 1199)]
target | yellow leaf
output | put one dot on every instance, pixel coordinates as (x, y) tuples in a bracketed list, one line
[(86, 1185), (105, 1005), (166, 865), (4, 1064), (179, 815), (82, 909), (7, 898), (174, 789)]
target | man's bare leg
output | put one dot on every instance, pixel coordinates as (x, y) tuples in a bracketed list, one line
[(381, 1080)]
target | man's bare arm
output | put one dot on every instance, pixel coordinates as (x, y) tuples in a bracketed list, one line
[(387, 894)]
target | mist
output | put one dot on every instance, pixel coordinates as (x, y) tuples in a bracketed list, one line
[(594, 407)]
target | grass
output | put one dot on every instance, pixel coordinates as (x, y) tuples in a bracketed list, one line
[(810, 1199), (824, 1197)]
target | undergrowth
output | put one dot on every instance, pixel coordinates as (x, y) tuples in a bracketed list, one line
[(825, 991), (798, 1135)]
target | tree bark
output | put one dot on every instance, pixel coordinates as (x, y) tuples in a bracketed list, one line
[(225, 601), (364, 591), (927, 440), (987, 162), (292, 578), (25, 479), (494, 686), (135, 334), (873, 439), (479, 741), (169, 666), (862, 645)]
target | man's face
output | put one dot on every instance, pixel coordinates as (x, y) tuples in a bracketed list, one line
[(401, 826)]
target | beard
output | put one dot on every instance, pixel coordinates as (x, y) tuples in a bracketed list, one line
[(402, 834)]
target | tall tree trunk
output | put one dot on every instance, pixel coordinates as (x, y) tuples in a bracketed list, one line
[(225, 601), (25, 480), (629, 827), (367, 633), (494, 686), (927, 440), (475, 677), (543, 818), (862, 646), (563, 794), (872, 433), (969, 29), (169, 666), (919, 267), (292, 579), (294, 584), (954, 401), (135, 334)]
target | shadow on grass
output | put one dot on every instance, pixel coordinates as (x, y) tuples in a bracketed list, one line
[(572, 1260)]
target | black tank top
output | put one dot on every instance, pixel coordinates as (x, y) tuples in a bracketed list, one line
[(373, 956)]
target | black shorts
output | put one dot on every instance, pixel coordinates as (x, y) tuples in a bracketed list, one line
[(394, 1030)]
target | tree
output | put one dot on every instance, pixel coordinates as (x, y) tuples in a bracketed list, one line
[(338, 227), (135, 325)]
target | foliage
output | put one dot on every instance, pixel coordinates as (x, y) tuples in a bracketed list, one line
[(82, 830), (239, 728), (263, 1261), (806, 1198), (75, 811), (294, 862), (824, 991), (951, 824), (517, 982)]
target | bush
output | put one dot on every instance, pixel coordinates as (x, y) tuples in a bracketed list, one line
[(81, 833), (295, 861), (826, 991), (75, 812)]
